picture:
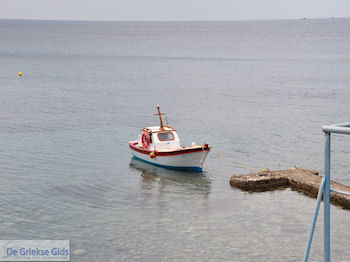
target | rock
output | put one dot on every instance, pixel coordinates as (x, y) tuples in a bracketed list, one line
[(302, 180), (78, 252)]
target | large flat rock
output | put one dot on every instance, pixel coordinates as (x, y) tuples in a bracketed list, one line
[(303, 180)]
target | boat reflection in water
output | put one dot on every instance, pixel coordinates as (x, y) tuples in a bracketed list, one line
[(186, 183)]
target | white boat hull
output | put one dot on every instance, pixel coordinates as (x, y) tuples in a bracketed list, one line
[(190, 161)]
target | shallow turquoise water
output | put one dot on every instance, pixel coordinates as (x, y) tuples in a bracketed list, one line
[(258, 91)]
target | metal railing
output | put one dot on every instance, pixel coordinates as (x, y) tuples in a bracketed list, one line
[(325, 191)]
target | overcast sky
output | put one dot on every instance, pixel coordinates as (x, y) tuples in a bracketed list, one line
[(172, 9)]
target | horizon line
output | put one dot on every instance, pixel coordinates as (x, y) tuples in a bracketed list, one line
[(184, 20)]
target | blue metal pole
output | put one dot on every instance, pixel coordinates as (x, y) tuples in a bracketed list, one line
[(326, 201), (312, 229)]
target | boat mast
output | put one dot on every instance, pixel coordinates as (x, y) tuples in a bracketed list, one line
[(160, 118)]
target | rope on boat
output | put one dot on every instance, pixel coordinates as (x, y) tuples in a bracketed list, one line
[(238, 164)]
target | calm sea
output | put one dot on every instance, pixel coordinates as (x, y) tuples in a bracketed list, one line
[(258, 91)]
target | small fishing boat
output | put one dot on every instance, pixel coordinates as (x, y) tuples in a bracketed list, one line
[(160, 146)]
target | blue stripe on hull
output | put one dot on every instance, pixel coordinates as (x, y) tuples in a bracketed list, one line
[(184, 168)]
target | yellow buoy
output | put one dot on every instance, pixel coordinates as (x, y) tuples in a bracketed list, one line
[(19, 73), (152, 154)]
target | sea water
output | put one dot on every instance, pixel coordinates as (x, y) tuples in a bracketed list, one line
[(258, 91)]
